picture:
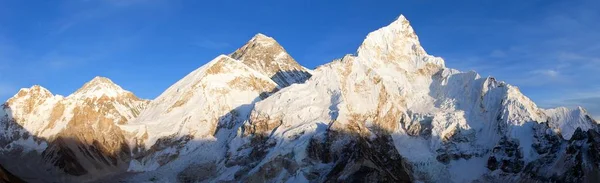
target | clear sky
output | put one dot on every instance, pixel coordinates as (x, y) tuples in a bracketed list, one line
[(550, 49)]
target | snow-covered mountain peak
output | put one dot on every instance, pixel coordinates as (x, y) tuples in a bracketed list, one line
[(263, 39), (396, 43), (400, 23), (566, 120), (28, 99), (35, 90), (100, 81), (265, 55), (261, 49), (98, 87)]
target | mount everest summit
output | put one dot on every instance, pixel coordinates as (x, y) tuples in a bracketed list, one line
[(389, 113)]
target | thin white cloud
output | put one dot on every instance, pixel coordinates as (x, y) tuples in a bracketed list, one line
[(547, 73), (569, 56), (498, 54), (209, 44), (79, 12), (540, 78)]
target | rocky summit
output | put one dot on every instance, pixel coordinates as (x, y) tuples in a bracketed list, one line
[(389, 113)]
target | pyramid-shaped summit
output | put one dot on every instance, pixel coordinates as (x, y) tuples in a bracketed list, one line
[(98, 87), (265, 55), (396, 43)]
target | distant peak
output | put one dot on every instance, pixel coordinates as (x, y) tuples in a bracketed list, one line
[(266, 56), (100, 86), (100, 79), (38, 88), (401, 24), (262, 40), (401, 20), (35, 90), (261, 36), (258, 46)]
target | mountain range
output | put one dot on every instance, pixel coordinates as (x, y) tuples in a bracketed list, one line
[(388, 113)]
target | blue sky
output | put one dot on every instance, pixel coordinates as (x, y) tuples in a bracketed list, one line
[(550, 49)]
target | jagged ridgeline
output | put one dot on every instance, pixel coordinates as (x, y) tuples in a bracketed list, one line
[(389, 113)]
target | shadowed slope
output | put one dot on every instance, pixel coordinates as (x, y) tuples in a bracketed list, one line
[(7, 177)]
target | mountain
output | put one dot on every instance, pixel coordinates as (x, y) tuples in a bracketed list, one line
[(51, 137), (389, 113), (393, 113), (194, 120), (265, 55), (195, 109)]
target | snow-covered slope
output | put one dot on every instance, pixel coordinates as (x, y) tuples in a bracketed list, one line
[(194, 109), (49, 137)]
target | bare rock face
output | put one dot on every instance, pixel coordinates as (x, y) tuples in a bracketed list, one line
[(265, 55), (74, 138), (363, 159)]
